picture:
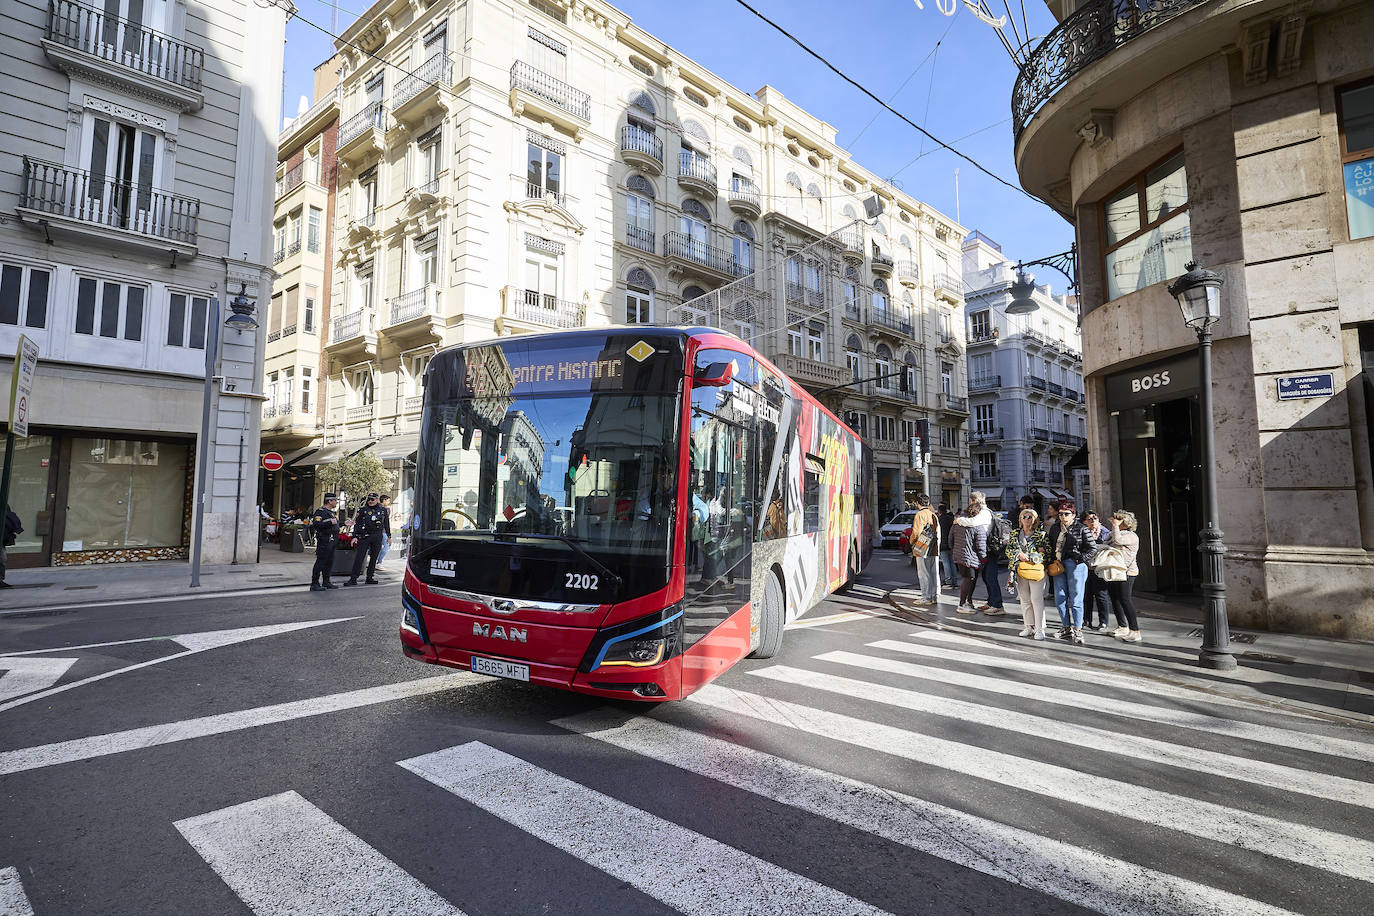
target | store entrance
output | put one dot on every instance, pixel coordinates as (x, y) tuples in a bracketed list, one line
[(1159, 473)]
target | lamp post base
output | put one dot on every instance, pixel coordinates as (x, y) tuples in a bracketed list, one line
[(1217, 661)]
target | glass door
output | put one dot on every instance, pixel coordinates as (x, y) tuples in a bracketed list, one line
[(32, 496)]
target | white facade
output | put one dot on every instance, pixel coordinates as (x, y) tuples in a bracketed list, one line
[(135, 175), (1027, 415)]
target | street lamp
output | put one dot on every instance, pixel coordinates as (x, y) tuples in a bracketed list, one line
[(1199, 298), (241, 320), (1021, 290), (1023, 287)]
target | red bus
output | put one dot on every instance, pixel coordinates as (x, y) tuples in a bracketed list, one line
[(624, 512)]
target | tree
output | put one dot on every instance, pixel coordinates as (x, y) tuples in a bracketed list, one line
[(357, 475)]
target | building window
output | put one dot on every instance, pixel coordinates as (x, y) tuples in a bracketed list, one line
[(428, 161), (908, 430), (541, 278), (815, 344), (426, 252), (794, 341), (639, 222), (362, 287), (108, 309), (862, 426), (949, 437), (314, 229), (279, 240), (639, 306), (144, 482), (365, 211), (884, 428), (913, 379), (24, 296), (286, 394), (1146, 231), (744, 255), (186, 321), (308, 314), (124, 165), (982, 419), (361, 387), (1355, 114), (947, 377), (851, 299), (305, 390), (882, 366), (296, 231), (547, 54), (880, 298), (987, 465), (980, 325), (415, 367)]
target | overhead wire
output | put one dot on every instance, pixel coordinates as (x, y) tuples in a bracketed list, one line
[(896, 92)]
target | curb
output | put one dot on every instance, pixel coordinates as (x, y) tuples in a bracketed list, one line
[(99, 601)]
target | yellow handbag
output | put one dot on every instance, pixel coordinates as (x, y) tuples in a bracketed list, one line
[(1031, 572)]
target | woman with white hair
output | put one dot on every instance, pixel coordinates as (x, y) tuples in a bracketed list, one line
[(969, 544), (1127, 541)]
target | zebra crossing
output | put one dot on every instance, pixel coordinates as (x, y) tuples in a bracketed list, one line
[(1270, 813)]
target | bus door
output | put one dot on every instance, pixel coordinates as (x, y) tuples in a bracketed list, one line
[(722, 494)]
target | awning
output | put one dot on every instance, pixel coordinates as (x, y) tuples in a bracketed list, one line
[(397, 447), (291, 458), (326, 455), (1079, 461), (990, 492)]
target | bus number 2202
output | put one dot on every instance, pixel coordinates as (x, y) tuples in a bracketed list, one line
[(582, 581)]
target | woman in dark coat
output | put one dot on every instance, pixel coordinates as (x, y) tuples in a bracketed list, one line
[(969, 549), (1070, 544)]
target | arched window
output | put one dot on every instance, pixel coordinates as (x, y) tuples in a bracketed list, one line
[(696, 208), (640, 185), (692, 292), (905, 241), (813, 190), (853, 357), (640, 277), (880, 300), (882, 365), (880, 285), (694, 129), (743, 319), (743, 228), (851, 273), (644, 103), (909, 367), (849, 211), (852, 343), (794, 180), (743, 158), (743, 248), (639, 297)]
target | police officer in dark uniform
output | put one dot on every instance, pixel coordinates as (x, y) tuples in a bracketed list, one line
[(369, 524), (325, 523)]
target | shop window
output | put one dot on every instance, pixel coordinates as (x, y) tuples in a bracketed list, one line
[(186, 320), (125, 493), (1146, 231), (24, 296), (1355, 113), (108, 309)]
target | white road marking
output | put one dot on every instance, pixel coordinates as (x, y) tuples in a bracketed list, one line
[(188, 596), (831, 618), (194, 642), (1133, 747), (1308, 846), (1079, 876), (688, 871), (46, 755), (282, 855), (1217, 725), (13, 900), (25, 675)]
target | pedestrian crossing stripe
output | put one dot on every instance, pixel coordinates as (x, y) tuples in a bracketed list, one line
[(13, 900), (688, 871), (1201, 760), (281, 855), (1299, 843), (1213, 725), (1080, 876)]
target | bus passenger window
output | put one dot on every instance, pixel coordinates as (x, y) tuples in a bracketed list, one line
[(811, 496)]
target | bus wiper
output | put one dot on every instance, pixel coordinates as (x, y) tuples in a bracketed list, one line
[(600, 567)]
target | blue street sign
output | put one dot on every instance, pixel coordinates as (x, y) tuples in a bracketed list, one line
[(1317, 385)]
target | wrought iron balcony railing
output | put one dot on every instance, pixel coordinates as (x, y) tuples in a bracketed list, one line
[(643, 239), (1056, 389), (907, 270), (985, 383), (540, 308), (367, 220), (696, 168), (536, 191), (279, 255), (77, 195), (373, 114), (853, 311), (1043, 435), (953, 402), (987, 434), (851, 240), (411, 305), (1039, 476), (293, 179), (742, 190), (1094, 30), (129, 44), (883, 264), (526, 78), (677, 245), (346, 327), (1037, 382), (293, 248), (635, 139), (438, 70), (948, 283), (978, 337), (886, 318)]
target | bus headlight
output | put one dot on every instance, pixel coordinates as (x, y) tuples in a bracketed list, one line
[(639, 643)]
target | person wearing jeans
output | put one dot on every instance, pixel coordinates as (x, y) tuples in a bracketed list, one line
[(1070, 543), (927, 566)]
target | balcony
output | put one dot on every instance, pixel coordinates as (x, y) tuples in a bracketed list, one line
[(1090, 33), (1036, 382), (743, 197), (908, 273), (548, 98), (984, 383), (361, 412), (851, 242), (642, 149), (854, 312), (120, 211), (413, 403), (696, 173), (423, 91), (700, 257), (353, 334), (415, 317), (279, 255), (810, 372), (293, 179), (987, 435), (643, 239), (985, 477), (887, 320), (982, 337), (362, 133), (1071, 395), (534, 191), (1068, 439), (269, 411), (952, 403), (1039, 476), (535, 308), (949, 287), (883, 265), (1039, 434), (86, 42), (1056, 390), (949, 341)]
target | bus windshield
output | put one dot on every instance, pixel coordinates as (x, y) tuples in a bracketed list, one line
[(547, 467)]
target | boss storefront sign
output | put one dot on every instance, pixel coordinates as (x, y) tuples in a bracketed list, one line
[(1151, 384)]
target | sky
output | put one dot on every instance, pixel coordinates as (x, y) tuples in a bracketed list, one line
[(960, 91)]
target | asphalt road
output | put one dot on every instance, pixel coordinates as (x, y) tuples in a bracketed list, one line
[(874, 765)]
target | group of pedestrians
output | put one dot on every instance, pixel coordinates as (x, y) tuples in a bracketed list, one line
[(369, 533), (1084, 568)]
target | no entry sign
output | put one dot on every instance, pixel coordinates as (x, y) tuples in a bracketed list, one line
[(272, 461)]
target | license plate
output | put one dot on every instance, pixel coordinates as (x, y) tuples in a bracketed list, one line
[(498, 668)]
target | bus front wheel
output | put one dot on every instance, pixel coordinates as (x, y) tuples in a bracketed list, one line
[(772, 618)]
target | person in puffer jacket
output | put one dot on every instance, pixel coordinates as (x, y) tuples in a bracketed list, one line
[(969, 545)]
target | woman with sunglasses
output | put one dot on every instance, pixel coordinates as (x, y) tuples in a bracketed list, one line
[(1070, 544), (1027, 545)]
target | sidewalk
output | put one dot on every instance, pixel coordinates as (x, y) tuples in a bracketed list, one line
[(58, 586), (1331, 678)]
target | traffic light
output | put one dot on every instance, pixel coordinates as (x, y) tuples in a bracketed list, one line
[(923, 431)]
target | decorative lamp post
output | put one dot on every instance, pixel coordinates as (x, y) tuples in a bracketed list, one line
[(1199, 297), (1021, 291)]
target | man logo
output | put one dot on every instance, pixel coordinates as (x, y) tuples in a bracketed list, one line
[(510, 634), (446, 568)]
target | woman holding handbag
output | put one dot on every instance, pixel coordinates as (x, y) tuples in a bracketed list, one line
[(1070, 546), (1026, 557), (1127, 541)]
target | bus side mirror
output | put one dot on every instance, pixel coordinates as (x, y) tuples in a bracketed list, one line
[(716, 375)]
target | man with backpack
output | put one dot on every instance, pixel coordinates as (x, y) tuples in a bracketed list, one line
[(13, 528), (999, 535), (925, 549)]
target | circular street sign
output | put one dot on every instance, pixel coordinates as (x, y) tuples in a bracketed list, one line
[(272, 461)]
